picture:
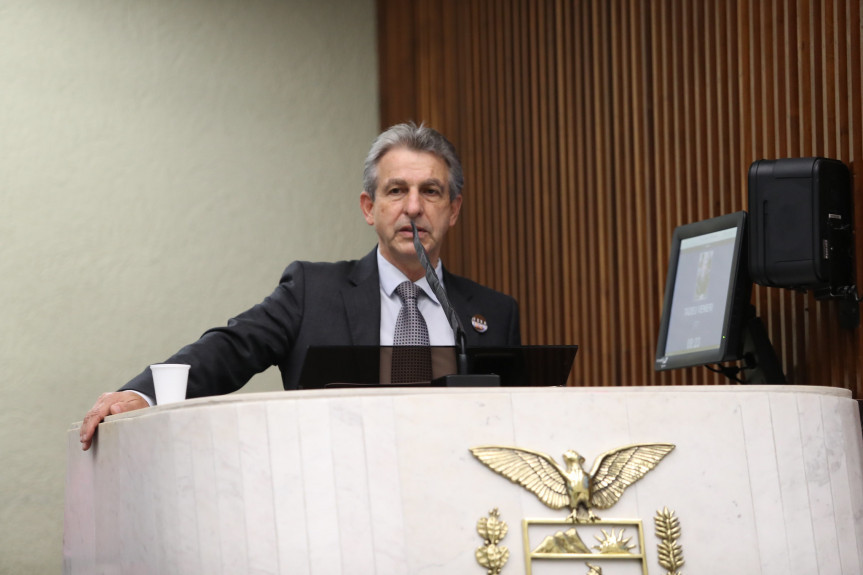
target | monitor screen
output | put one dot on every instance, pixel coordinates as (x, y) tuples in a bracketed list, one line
[(706, 294)]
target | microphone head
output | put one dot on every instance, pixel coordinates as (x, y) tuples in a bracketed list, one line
[(418, 245)]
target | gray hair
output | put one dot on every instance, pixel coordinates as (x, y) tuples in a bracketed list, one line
[(419, 139)]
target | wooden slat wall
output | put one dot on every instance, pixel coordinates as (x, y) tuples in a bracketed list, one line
[(590, 129)]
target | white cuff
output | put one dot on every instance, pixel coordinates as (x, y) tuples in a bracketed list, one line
[(147, 398)]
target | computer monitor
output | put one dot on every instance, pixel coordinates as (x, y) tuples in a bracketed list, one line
[(517, 366), (707, 294)]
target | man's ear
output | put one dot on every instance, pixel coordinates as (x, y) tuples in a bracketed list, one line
[(455, 205), (367, 205)]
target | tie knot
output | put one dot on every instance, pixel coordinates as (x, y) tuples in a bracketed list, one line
[(408, 291)]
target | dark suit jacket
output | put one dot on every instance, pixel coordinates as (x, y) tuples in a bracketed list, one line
[(319, 304)]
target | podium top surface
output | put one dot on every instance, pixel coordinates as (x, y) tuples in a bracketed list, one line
[(342, 393)]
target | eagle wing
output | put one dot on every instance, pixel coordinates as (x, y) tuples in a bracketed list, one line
[(536, 472), (619, 468)]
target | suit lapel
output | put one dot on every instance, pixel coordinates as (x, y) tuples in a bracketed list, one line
[(460, 299), (362, 301)]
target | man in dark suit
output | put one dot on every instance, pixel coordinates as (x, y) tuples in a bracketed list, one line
[(411, 174)]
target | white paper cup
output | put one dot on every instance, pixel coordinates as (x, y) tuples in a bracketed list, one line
[(170, 381)]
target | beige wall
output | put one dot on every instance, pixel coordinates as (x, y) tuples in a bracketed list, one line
[(160, 163)]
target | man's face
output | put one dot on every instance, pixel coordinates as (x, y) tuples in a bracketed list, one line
[(411, 186)]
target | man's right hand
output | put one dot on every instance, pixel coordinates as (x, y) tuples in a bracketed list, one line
[(108, 404)]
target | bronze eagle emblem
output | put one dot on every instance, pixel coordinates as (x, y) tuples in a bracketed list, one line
[(571, 486)]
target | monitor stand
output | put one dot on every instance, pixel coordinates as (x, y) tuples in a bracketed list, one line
[(761, 365)]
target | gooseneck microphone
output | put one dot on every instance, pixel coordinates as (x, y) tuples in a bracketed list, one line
[(440, 293)]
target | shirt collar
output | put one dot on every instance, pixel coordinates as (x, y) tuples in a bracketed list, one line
[(391, 277)]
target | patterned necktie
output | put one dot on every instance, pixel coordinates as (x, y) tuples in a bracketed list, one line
[(411, 354)]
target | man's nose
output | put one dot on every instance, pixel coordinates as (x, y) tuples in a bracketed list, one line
[(413, 203)]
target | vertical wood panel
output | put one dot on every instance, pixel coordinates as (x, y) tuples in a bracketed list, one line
[(590, 129)]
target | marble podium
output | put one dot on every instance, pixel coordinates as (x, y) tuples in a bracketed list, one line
[(763, 480)]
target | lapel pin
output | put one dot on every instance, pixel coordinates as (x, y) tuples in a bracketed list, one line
[(479, 324)]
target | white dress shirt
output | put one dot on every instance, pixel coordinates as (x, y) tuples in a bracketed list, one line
[(440, 331)]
